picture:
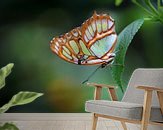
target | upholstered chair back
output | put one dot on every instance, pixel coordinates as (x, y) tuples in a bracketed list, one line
[(143, 77)]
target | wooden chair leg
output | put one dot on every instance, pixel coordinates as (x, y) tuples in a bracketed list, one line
[(94, 121), (124, 125), (146, 110), (160, 98)]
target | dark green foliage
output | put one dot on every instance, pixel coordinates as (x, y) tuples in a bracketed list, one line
[(19, 99), (8, 126)]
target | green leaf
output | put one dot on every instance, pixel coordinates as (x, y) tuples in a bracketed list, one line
[(8, 126), (118, 2), (124, 40), (20, 99), (4, 72)]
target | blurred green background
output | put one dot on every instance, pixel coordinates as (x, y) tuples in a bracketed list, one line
[(26, 28)]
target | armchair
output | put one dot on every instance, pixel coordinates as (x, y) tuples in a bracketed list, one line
[(142, 102)]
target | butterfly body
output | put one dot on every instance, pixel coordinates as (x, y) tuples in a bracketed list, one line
[(91, 44)]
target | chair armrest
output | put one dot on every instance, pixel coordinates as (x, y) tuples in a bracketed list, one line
[(98, 88), (150, 88), (148, 91), (101, 85)]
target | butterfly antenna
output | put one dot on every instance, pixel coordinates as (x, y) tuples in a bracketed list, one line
[(91, 75)]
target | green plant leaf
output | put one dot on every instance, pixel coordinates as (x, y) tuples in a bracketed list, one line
[(4, 72), (8, 126), (20, 99), (124, 40), (118, 2)]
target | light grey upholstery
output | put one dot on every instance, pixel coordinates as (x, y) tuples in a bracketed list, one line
[(132, 111), (140, 77), (132, 103)]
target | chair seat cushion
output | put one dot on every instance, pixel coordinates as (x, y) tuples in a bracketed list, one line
[(131, 111)]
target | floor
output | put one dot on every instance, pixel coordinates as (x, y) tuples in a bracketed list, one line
[(59, 121)]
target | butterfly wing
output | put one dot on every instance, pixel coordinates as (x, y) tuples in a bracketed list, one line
[(71, 47), (90, 44), (65, 46), (99, 35)]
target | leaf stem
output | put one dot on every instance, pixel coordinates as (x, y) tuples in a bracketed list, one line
[(158, 3), (159, 6), (148, 19), (146, 10), (148, 2)]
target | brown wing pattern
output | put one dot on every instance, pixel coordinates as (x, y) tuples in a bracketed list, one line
[(96, 28), (74, 46), (70, 46)]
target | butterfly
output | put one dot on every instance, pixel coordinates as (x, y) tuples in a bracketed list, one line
[(92, 43)]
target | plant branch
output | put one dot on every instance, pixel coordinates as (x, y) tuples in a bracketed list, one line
[(158, 3), (148, 2), (148, 19), (146, 10)]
